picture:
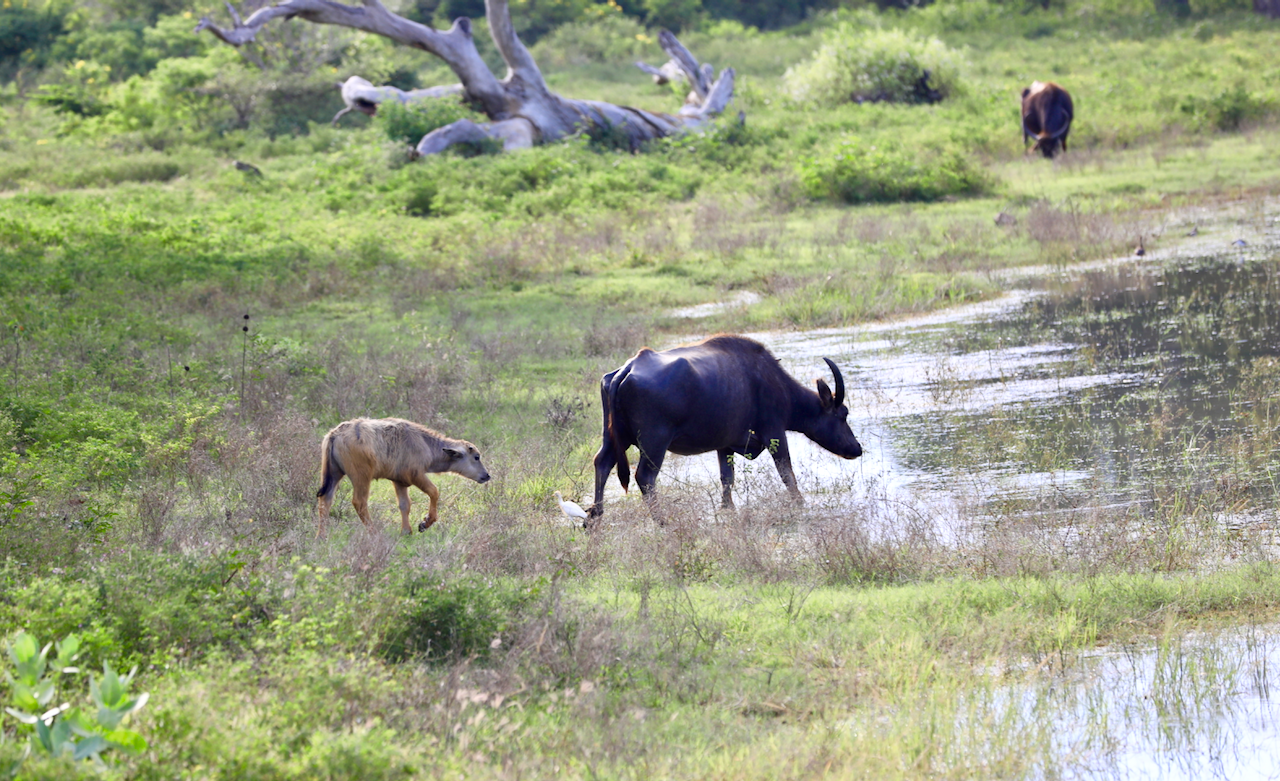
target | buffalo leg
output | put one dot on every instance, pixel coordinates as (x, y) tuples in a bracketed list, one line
[(360, 499), (726, 478), (782, 460), (402, 499), (606, 460), (425, 485), (647, 477)]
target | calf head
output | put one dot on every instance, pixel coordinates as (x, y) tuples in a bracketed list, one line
[(464, 460), (830, 428)]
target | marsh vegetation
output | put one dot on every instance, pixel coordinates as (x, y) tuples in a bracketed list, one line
[(1069, 457)]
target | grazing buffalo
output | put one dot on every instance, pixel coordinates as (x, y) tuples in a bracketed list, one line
[(727, 394), (1046, 116), (396, 450)]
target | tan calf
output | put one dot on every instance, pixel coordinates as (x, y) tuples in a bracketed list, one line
[(392, 449)]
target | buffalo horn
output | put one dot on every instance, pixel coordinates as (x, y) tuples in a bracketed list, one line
[(839, 382)]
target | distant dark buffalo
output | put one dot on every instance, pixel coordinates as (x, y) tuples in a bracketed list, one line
[(398, 450), (1046, 116), (727, 394)]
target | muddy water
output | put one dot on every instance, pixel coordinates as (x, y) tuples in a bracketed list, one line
[(1080, 388)]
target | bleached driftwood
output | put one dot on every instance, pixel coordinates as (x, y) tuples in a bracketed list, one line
[(522, 110)]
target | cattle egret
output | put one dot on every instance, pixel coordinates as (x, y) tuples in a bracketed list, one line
[(571, 509)]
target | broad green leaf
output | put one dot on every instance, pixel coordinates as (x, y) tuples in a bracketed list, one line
[(44, 692), (68, 649), (89, 747), (134, 705), (109, 718), (23, 648), (60, 738), (44, 736), (127, 740)]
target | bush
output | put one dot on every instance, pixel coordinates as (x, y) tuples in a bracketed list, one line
[(408, 123), (453, 620), (857, 65), (857, 172)]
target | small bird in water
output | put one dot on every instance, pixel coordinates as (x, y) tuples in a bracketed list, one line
[(1239, 243), (1140, 251), (571, 509)]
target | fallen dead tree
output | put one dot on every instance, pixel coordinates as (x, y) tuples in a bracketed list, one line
[(522, 111)]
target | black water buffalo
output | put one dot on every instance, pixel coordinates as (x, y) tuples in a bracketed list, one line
[(1046, 116), (727, 394)]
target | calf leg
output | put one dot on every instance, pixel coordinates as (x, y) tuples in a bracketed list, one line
[(360, 499), (782, 460), (323, 505), (402, 498), (425, 485), (726, 478)]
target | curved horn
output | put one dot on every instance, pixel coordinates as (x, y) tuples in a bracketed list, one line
[(835, 372)]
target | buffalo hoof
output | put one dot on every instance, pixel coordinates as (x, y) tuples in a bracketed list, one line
[(422, 526), (406, 532)]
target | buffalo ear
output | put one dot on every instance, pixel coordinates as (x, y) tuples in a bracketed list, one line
[(824, 394), (454, 453)]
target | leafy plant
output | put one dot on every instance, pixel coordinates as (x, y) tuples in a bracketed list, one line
[(857, 65), (859, 172), (63, 730), (408, 123)]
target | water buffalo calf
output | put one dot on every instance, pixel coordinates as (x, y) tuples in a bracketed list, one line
[(1046, 116), (392, 449)]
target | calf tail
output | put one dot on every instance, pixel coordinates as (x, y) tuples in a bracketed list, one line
[(330, 472), (619, 447)]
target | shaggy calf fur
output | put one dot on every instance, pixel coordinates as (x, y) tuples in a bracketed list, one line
[(391, 449)]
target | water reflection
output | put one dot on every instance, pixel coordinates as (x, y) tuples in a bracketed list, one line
[(1191, 708)]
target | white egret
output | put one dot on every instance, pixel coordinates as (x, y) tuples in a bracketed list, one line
[(571, 509)]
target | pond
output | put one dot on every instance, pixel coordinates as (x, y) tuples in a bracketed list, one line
[(1191, 707), (1105, 387)]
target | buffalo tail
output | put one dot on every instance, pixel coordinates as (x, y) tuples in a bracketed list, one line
[(619, 448)]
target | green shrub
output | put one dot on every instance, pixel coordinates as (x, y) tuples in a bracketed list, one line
[(408, 123), (855, 65), (1230, 108), (452, 620), (858, 172), (64, 731)]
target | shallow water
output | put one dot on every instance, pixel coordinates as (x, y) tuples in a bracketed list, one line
[(1081, 388), (1192, 708)]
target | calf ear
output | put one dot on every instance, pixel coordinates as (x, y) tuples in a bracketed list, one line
[(454, 453), (824, 394)]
